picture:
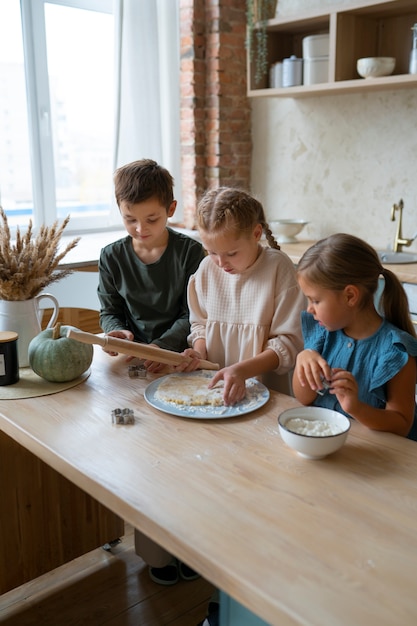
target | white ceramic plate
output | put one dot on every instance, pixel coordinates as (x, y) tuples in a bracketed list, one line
[(256, 396)]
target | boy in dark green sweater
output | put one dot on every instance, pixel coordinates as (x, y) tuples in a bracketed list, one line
[(143, 277)]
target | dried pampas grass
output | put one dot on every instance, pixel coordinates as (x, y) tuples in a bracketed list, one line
[(31, 263)]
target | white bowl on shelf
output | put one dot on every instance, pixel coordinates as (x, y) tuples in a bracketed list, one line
[(372, 67), (312, 431), (286, 230)]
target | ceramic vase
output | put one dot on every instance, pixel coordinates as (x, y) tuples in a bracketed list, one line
[(24, 317)]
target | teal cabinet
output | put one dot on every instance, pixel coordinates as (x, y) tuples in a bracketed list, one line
[(234, 614)]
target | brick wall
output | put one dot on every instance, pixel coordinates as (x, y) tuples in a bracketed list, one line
[(215, 111)]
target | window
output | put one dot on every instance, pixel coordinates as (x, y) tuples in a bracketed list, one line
[(61, 162), (62, 136), (15, 171)]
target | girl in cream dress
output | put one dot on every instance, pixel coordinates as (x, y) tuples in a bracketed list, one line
[(244, 300)]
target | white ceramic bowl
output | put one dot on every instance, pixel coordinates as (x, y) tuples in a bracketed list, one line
[(313, 446), (371, 67), (286, 230)]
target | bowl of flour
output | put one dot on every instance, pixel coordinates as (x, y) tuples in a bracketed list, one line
[(313, 432)]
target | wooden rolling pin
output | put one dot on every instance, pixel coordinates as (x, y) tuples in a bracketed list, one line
[(141, 350)]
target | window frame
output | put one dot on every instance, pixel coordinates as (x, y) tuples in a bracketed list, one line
[(39, 112)]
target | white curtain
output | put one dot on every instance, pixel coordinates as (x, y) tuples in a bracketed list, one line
[(147, 84)]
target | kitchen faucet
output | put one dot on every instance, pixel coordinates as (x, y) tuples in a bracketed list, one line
[(399, 240)]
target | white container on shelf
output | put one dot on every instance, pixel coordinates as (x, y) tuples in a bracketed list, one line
[(413, 61), (275, 75), (316, 46), (316, 70), (292, 71), (413, 53)]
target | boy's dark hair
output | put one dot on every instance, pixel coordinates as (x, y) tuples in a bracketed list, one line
[(141, 180)]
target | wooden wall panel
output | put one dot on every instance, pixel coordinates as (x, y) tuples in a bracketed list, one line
[(83, 319), (45, 520)]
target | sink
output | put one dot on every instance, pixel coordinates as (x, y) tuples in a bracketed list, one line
[(390, 257)]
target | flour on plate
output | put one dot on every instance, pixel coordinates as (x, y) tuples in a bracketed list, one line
[(190, 390)]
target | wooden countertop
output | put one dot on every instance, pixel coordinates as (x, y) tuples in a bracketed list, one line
[(87, 252), (295, 541), (407, 272)]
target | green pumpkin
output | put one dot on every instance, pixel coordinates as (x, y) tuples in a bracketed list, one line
[(55, 357)]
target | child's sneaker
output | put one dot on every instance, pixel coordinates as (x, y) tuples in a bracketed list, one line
[(213, 615), (167, 575), (186, 573), (171, 573)]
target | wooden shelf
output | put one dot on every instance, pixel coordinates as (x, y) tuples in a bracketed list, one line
[(364, 30)]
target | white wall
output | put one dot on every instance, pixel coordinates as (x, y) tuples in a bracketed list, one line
[(339, 161), (77, 290)]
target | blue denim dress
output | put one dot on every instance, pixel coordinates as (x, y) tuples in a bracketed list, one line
[(373, 361)]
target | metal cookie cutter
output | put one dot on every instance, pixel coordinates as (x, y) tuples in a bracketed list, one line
[(326, 385), (122, 416), (137, 371)]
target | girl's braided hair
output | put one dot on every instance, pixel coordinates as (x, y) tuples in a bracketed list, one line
[(233, 210)]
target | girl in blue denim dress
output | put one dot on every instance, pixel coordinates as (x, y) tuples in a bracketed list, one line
[(357, 360)]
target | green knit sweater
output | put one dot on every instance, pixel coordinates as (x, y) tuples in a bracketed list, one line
[(149, 300)]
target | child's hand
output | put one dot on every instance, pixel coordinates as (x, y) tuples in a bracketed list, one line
[(311, 369), (154, 367), (120, 334), (193, 364), (234, 385), (345, 388)]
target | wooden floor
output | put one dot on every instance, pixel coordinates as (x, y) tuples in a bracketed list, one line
[(101, 587)]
